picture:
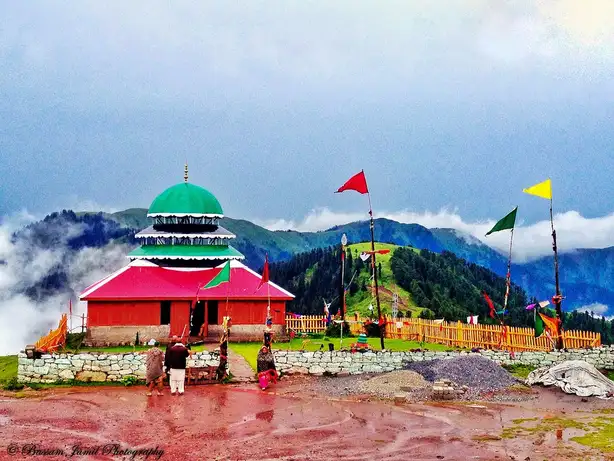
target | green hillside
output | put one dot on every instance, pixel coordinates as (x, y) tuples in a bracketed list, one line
[(360, 300)]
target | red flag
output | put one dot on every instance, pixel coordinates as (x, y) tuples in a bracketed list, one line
[(265, 272), (358, 182), (490, 305)]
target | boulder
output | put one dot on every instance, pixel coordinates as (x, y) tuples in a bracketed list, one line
[(88, 376)]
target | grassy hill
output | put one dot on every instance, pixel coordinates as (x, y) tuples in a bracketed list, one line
[(360, 301)]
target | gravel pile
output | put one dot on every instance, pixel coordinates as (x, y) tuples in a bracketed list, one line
[(479, 373), (389, 384)]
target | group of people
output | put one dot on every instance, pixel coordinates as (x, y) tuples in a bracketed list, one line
[(171, 363)]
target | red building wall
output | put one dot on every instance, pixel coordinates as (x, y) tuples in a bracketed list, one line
[(252, 312), (180, 317), (104, 313)]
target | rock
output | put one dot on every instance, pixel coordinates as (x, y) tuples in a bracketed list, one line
[(77, 364), (316, 370), (88, 376), (66, 374)]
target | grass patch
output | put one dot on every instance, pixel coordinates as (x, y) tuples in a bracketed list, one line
[(543, 425), (523, 420), (609, 374), (601, 437), (8, 367), (249, 351), (519, 371)]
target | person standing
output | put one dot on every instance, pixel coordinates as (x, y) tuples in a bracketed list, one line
[(177, 361), (174, 340), (154, 366)]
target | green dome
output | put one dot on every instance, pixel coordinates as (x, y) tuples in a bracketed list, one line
[(185, 199)]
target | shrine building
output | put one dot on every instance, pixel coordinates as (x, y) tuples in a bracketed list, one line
[(160, 292)]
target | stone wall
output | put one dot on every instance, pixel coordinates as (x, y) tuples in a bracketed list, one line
[(52, 368), (120, 335), (338, 362), (114, 367)]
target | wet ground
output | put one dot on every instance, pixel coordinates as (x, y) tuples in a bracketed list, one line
[(285, 422)]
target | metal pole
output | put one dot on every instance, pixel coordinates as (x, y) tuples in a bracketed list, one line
[(508, 276), (557, 303), (343, 243), (373, 267)]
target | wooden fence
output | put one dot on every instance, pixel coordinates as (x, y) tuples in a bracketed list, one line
[(457, 334)]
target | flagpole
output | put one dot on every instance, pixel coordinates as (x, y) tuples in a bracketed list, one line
[(342, 308), (373, 267), (509, 275), (557, 298)]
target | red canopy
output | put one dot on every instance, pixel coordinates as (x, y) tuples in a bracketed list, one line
[(139, 281)]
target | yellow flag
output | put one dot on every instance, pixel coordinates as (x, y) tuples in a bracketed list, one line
[(543, 189)]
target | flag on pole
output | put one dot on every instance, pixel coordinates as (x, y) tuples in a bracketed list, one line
[(364, 256), (358, 182), (222, 276), (491, 306), (505, 223), (530, 307), (551, 324), (543, 304), (265, 272), (472, 320), (539, 324), (543, 189)]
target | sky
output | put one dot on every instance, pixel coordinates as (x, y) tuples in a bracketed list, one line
[(451, 108)]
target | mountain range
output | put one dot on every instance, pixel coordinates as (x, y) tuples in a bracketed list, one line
[(586, 275)]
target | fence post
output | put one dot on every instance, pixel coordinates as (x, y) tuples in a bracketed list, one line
[(82, 323)]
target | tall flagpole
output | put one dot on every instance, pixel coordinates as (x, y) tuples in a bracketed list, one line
[(558, 298), (342, 308), (373, 267), (508, 277)]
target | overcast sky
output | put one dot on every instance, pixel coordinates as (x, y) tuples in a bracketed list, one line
[(449, 104)]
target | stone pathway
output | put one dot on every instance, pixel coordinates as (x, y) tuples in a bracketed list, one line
[(240, 369)]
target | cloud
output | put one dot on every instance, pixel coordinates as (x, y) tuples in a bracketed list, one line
[(24, 264), (596, 308), (530, 241)]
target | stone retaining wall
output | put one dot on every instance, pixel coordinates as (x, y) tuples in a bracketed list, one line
[(52, 368), (114, 367), (318, 363)]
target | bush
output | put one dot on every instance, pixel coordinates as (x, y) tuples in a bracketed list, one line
[(74, 340), (12, 385), (130, 380), (427, 314), (334, 330)]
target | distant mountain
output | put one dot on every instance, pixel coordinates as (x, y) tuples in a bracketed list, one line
[(587, 276)]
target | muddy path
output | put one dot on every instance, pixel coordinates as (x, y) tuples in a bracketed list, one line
[(241, 422)]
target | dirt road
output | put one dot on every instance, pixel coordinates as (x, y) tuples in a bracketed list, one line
[(242, 422)]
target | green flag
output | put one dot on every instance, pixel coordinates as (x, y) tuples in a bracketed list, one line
[(505, 223), (539, 323), (222, 276)]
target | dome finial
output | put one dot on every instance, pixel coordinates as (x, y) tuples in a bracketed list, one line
[(185, 174)]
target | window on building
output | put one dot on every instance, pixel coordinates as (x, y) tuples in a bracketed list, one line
[(165, 313)]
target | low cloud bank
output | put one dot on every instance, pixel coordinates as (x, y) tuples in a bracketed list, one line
[(26, 311), (530, 242)]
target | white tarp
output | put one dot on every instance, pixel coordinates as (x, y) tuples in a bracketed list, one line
[(574, 377)]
